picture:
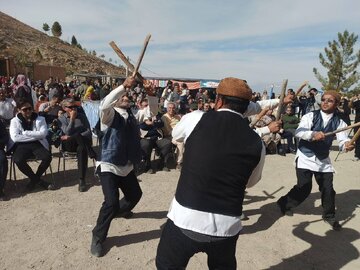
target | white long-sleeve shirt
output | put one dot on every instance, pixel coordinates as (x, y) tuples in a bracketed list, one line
[(199, 221), (304, 132)]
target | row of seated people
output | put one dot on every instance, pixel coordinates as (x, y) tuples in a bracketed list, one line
[(272, 138), (156, 131), (29, 136)]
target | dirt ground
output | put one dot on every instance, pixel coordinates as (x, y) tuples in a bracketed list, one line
[(52, 229)]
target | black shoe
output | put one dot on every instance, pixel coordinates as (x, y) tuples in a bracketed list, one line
[(126, 214), (243, 217), (46, 185), (96, 248), (333, 223), (30, 186), (150, 171), (281, 152), (284, 211), (3, 197), (82, 185)]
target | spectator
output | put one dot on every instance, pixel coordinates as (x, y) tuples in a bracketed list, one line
[(77, 137), (355, 104), (170, 120), (50, 110), (28, 139), (4, 138), (23, 91), (7, 107), (290, 124)]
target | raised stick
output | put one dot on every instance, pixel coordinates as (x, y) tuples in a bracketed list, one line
[(282, 95), (146, 42), (124, 59), (342, 129), (258, 117)]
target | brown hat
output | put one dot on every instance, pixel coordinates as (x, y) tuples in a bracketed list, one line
[(333, 93), (234, 87)]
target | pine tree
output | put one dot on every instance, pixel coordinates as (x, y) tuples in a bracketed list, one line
[(46, 27), (341, 63), (93, 53), (74, 41), (56, 29)]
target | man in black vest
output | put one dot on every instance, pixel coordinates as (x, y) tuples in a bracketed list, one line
[(312, 158), (120, 151), (205, 214)]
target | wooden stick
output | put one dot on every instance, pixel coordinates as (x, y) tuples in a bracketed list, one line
[(125, 60), (342, 129), (282, 95), (258, 117), (355, 137), (146, 42)]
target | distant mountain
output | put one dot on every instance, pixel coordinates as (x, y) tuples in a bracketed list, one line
[(28, 45)]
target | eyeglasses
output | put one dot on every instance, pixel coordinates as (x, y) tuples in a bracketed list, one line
[(27, 109), (327, 100), (71, 107)]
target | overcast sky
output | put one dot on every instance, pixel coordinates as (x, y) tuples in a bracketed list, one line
[(263, 41)]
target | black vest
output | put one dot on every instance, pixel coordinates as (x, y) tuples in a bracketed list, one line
[(320, 148), (121, 141), (220, 155)]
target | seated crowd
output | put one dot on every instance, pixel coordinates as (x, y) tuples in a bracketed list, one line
[(35, 118)]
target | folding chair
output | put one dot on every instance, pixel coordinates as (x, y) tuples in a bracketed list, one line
[(67, 155), (32, 159)]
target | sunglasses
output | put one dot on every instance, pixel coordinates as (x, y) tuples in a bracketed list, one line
[(326, 100), (71, 107), (27, 109)]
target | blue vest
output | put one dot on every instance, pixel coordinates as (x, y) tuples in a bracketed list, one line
[(121, 141), (320, 149)]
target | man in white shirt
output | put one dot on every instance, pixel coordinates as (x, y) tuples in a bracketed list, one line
[(222, 157), (120, 152), (312, 158)]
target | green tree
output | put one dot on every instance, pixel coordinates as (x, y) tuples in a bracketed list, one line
[(74, 41), (102, 56), (46, 27), (341, 62), (93, 53), (56, 29), (110, 60)]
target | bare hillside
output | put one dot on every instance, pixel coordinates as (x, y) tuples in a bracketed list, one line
[(26, 44)]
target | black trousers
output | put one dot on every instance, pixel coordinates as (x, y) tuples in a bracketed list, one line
[(175, 250), (3, 169), (80, 145), (303, 188), (163, 144), (110, 184), (24, 151), (357, 144)]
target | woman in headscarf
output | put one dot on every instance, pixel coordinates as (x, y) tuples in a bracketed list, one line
[(23, 91)]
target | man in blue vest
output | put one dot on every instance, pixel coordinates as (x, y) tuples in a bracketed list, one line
[(120, 152), (312, 158), (205, 213)]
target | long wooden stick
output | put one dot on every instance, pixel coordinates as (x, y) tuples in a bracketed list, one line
[(258, 117), (124, 59), (279, 109), (342, 129), (355, 137), (282, 95), (146, 42)]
